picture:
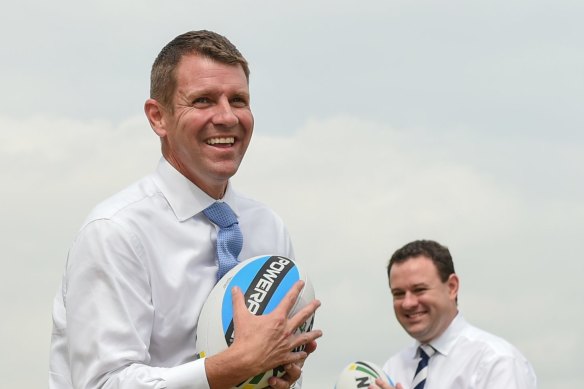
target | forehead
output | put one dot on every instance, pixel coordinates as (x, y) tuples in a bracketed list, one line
[(414, 270), (196, 71)]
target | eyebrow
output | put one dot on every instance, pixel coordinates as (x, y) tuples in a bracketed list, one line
[(418, 285), (213, 90)]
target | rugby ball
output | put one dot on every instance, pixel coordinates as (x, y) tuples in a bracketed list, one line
[(264, 281), (360, 374)]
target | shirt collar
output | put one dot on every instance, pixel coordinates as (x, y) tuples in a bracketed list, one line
[(445, 342), (185, 198)]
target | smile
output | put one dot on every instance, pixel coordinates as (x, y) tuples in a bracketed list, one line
[(227, 140), (415, 315)]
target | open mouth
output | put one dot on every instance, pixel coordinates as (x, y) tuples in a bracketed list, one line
[(415, 315), (228, 141)]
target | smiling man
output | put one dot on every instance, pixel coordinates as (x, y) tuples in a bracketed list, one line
[(146, 259), (448, 351), (206, 126)]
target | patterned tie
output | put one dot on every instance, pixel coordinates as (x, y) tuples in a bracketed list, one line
[(229, 238), (426, 351)]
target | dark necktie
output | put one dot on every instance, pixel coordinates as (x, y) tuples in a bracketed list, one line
[(229, 238), (426, 351)]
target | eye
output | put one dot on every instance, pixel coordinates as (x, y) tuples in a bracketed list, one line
[(201, 102), (398, 294), (419, 290), (239, 102)]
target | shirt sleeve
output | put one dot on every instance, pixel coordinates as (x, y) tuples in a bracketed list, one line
[(109, 315)]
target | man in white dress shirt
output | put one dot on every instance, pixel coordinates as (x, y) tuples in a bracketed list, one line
[(424, 287), (144, 261)]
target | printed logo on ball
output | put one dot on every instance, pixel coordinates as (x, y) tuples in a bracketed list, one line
[(369, 378), (264, 282)]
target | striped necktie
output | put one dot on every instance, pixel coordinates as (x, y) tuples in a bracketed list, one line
[(426, 351), (229, 237)]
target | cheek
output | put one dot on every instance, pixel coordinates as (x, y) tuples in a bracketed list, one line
[(246, 120), (397, 306)]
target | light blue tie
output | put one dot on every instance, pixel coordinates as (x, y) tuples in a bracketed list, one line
[(426, 351), (229, 238)]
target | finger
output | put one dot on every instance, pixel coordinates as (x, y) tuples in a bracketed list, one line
[(311, 347), (293, 372), (304, 314), (296, 357), (384, 385), (238, 301), (290, 298), (305, 338), (287, 380)]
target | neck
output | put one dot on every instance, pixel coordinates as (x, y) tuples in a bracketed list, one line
[(214, 188)]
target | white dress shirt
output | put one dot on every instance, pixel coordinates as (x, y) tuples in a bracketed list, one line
[(136, 278), (466, 358)]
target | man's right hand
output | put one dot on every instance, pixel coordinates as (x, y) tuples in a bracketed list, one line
[(381, 384), (262, 342)]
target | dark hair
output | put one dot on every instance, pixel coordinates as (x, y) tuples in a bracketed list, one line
[(205, 43), (439, 255)]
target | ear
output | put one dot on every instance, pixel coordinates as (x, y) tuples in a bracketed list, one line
[(453, 284), (156, 115)]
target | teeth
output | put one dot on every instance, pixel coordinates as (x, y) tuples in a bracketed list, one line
[(221, 140)]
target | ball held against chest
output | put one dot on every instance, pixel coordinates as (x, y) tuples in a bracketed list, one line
[(264, 281)]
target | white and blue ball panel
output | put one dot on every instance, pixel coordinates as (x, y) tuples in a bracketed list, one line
[(264, 282)]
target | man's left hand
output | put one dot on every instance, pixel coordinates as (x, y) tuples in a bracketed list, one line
[(293, 372)]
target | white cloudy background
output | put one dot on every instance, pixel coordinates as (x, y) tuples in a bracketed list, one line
[(377, 123)]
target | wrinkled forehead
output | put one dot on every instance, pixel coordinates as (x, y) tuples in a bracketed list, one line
[(190, 56), (201, 69), (199, 75)]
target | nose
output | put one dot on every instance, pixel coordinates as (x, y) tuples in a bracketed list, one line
[(409, 301), (224, 114)]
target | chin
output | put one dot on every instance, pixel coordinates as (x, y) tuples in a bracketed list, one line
[(415, 331), (226, 170)]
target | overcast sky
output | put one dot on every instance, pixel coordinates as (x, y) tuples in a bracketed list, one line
[(377, 123)]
